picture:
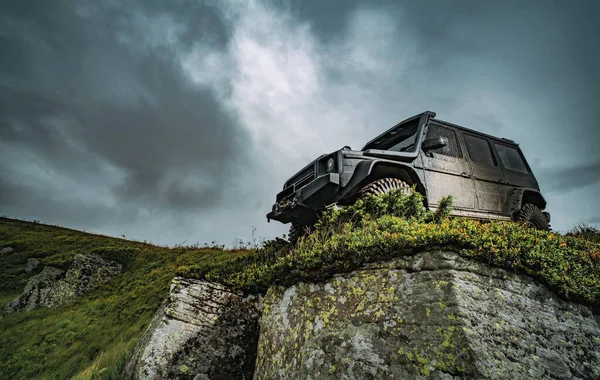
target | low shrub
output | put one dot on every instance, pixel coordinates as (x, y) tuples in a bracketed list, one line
[(585, 232), (121, 254), (384, 227)]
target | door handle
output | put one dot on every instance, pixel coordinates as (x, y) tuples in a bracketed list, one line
[(502, 181), (464, 174)]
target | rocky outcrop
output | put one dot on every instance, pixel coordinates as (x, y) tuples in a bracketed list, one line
[(53, 287), (31, 265), (203, 331), (38, 291), (6, 250), (432, 315)]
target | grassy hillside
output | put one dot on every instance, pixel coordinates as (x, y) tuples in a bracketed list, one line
[(98, 332), (94, 337)]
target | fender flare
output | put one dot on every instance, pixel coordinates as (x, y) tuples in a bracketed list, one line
[(521, 195), (370, 170)]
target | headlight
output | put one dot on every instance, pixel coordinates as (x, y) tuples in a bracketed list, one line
[(330, 165)]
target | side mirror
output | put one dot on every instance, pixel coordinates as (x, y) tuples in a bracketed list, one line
[(434, 143)]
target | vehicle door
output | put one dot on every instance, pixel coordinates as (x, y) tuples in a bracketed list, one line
[(488, 177), (446, 170), (516, 170)]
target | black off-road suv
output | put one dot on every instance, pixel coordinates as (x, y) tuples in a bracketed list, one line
[(487, 176)]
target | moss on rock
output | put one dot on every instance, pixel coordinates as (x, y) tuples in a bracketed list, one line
[(432, 314)]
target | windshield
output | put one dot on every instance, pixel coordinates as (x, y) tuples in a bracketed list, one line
[(401, 139)]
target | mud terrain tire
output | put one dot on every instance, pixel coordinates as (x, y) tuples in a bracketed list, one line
[(297, 231), (533, 216), (384, 186)]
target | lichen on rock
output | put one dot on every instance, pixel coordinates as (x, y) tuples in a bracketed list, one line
[(433, 314), (6, 250), (31, 265), (38, 291), (54, 287)]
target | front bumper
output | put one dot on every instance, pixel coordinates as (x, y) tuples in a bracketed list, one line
[(301, 205)]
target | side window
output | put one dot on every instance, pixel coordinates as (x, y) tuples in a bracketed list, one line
[(480, 150), (452, 149), (511, 159)]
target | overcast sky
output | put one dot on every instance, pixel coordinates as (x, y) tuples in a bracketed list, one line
[(173, 121)]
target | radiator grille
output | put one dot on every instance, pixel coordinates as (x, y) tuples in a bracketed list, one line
[(301, 179), (302, 176)]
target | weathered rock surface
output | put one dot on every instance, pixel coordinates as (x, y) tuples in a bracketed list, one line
[(31, 265), (37, 291), (53, 287), (6, 250), (433, 315), (203, 332)]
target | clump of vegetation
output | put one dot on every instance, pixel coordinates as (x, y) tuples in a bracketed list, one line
[(121, 254), (381, 228), (585, 232)]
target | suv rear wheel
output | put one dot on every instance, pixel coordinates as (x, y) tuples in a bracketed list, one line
[(384, 186), (533, 216)]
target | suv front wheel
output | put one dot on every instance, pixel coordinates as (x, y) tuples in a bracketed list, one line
[(533, 216), (384, 186), (297, 231)]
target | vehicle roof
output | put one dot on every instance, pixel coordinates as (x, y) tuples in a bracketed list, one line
[(432, 114), (499, 139)]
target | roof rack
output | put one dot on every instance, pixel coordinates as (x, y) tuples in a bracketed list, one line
[(509, 140)]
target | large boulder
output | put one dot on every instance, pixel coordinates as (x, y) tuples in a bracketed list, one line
[(38, 291), (203, 331), (54, 287), (433, 315)]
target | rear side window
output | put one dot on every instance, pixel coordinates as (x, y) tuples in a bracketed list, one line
[(480, 150), (511, 159), (452, 149)]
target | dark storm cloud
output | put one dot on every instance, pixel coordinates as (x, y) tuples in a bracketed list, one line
[(181, 131), (45, 206), (89, 88), (531, 49), (142, 112), (203, 24), (568, 178), (537, 49)]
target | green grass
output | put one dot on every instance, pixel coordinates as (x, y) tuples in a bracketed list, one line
[(94, 337)]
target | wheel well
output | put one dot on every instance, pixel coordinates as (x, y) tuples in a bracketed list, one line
[(534, 198), (382, 170)]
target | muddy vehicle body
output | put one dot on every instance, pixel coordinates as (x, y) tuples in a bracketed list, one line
[(488, 177)]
